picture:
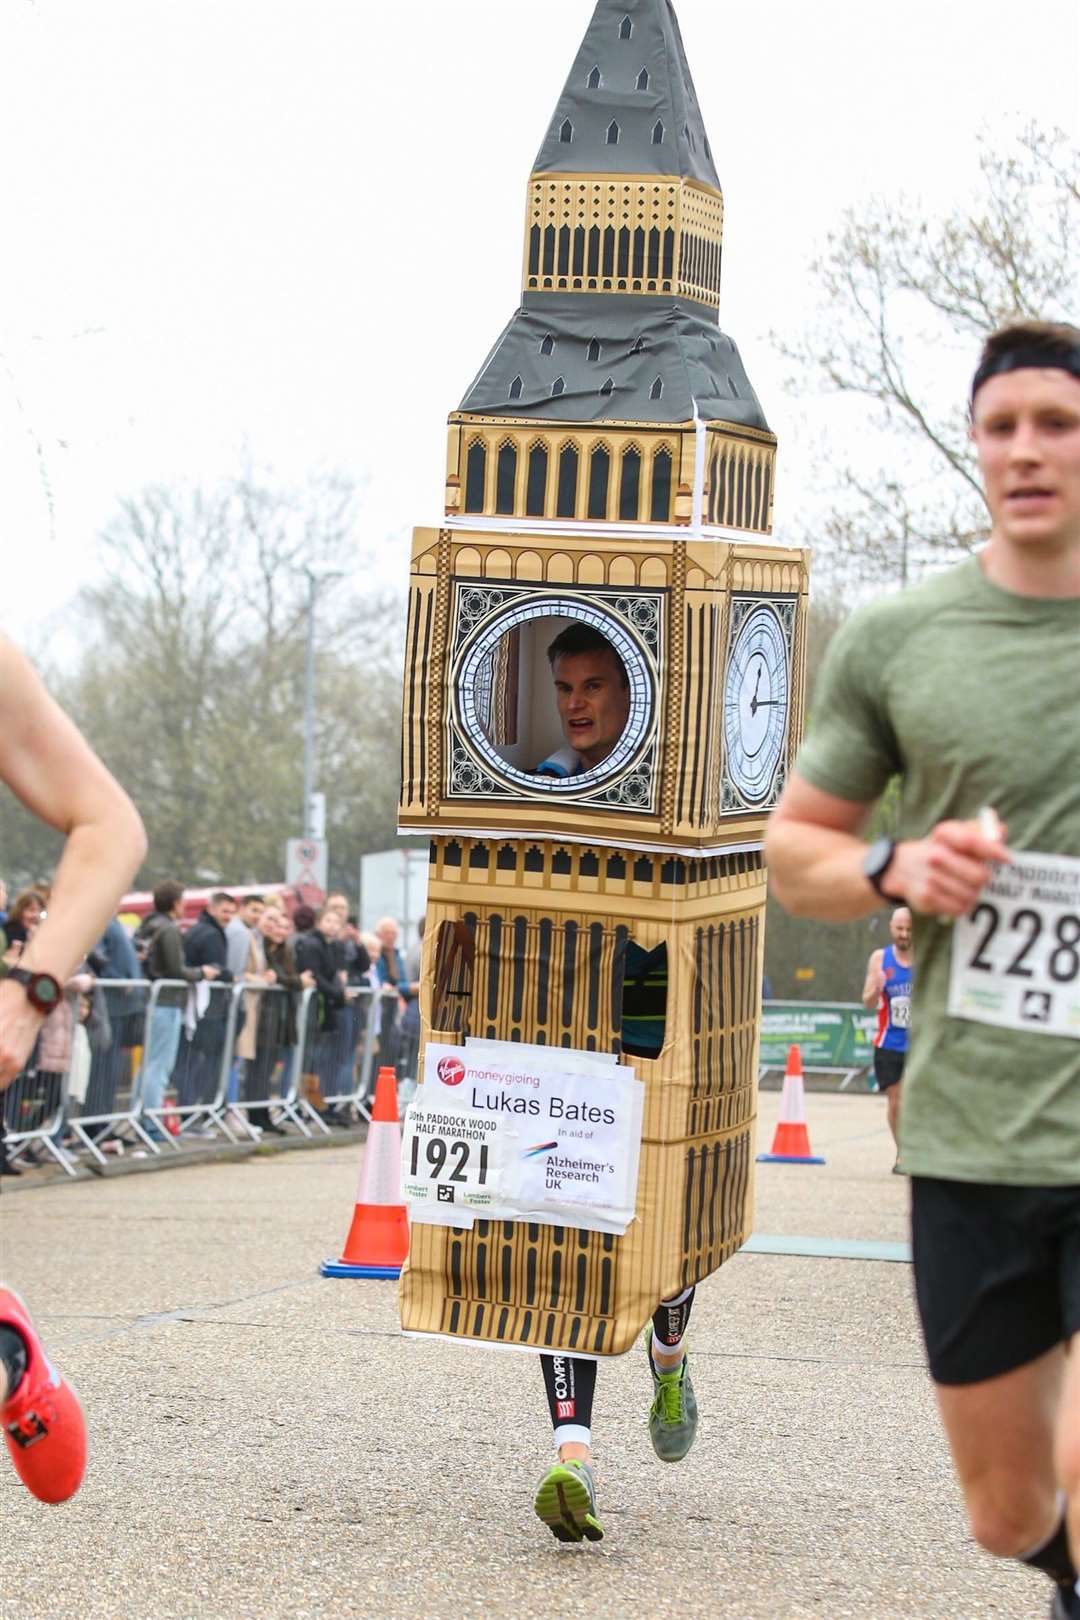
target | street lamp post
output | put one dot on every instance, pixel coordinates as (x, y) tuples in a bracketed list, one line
[(315, 577), (309, 706)]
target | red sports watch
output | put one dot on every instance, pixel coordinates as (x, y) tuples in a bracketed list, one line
[(42, 990)]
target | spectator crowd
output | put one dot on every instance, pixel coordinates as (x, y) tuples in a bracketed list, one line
[(317, 993)]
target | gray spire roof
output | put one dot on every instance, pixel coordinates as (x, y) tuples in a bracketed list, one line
[(629, 105), (595, 359)]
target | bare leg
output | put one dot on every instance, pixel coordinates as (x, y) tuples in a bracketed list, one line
[(1067, 1445), (1001, 1433), (892, 1110)]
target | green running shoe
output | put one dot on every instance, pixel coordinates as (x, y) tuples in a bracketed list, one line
[(673, 1415), (566, 1502)]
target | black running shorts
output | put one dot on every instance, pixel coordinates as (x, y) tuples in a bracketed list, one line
[(888, 1067), (997, 1274)]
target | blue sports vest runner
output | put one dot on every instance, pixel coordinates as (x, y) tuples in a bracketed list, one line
[(894, 1006)]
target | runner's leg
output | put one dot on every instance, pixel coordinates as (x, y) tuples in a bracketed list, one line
[(570, 1382), (669, 1329), (1067, 1444), (1001, 1435), (892, 1110), (566, 1497)]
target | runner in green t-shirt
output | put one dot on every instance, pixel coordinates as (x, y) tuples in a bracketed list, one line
[(967, 688)]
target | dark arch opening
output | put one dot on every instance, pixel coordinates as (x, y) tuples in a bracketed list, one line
[(475, 473), (599, 473), (505, 478)]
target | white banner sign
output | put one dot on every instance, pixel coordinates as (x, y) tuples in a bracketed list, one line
[(526, 1133), (1016, 957)]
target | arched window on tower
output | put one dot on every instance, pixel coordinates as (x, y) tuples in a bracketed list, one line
[(624, 250), (566, 500), (626, 28), (594, 350), (661, 487), (566, 132), (505, 477), (557, 387), (599, 472), (536, 486), (630, 484), (547, 344), (515, 389), (640, 345), (643, 79), (594, 80), (534, 251), (613, 133), (607, 388), (475, 472), (594, 250), (657, 389), (658, 133)]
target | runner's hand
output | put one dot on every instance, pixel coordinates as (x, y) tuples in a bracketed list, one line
[(19, 1025), (210, 972), (945, 873)]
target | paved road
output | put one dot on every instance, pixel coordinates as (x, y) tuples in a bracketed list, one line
[(266, 1445)]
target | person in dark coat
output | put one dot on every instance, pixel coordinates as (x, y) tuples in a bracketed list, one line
[(316, 952), (275, 1030), (205, 945)]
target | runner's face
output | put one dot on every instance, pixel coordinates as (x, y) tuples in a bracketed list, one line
[(593, 702), (1027, 433), (900, 929)]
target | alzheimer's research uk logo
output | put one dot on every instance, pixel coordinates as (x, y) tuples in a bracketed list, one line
[(451, 1071)]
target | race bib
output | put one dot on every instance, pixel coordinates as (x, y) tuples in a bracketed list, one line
[(1016, 957), (900, 1012), (508, 1132)]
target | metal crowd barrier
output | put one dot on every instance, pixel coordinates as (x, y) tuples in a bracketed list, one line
[(168, 1071), (32, 1108), (337, 1062)]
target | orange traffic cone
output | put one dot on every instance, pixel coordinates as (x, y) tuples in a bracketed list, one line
[(378, 1239), (791, 1143)]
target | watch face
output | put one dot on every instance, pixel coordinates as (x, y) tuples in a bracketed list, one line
[(44, 990), (756, 697)]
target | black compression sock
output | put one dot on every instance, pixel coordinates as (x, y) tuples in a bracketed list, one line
[(13, 1357), (671, 1317), (570, 1382), (1055, 1559)]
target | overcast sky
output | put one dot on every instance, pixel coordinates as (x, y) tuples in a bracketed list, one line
[(190, 275)]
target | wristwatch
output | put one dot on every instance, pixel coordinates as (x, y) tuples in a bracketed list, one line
[(876, 863), (42, 990)]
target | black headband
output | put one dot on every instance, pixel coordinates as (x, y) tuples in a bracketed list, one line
[(1025, 355)]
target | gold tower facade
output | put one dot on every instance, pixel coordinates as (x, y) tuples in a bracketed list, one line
[(609, 466)]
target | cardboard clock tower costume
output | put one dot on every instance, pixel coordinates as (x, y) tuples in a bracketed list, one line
[(610, 465)]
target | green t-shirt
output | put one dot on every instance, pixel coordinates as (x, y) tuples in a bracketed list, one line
[(972, 696)]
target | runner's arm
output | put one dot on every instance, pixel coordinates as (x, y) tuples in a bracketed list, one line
[(56, 775), (815, 855), (871, 990)]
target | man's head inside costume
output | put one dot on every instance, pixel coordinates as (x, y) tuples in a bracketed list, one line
[(591, 689)]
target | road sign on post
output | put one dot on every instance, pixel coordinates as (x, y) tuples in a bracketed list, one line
[(305, 868)]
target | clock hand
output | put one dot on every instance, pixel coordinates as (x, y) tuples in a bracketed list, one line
[(754, 699), (768, 703)]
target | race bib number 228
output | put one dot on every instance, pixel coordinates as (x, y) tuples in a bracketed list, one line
[(1016, 956)]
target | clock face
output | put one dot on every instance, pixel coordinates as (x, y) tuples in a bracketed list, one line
[(756, 696)]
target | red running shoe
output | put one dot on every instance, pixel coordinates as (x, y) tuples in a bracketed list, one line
[(42, 1419)]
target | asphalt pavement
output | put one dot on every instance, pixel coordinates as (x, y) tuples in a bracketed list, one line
[(265, 1444)]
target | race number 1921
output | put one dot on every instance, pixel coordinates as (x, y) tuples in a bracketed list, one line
[(452, 1160)]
